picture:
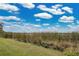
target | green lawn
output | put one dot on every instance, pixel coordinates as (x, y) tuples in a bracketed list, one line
[(9, 47)]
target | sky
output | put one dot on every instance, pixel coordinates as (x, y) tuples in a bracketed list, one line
[(39, 17)]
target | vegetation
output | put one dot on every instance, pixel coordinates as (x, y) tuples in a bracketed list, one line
[(57, 41), (9, 47), (66, 43)]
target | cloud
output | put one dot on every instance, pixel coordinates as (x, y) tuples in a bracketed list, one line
[(51, 29), (43, 15), (46, 24), (28, 5), (9, 18), (57, 6), (73, 28), (37, 25), (8, 7), (43, 7), (67, 19), (68, 9), (55, 10), (26, 28), (13, 28)]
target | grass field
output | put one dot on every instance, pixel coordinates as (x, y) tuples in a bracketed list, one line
[(9, 47)]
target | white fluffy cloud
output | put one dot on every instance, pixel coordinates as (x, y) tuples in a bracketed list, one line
[(54, 10), (67, 19), (9, 18), (57, 6), (8, 7), (57, 9), (36, 25), (68, 9), (43, 15), (28, 5), (43, 7)]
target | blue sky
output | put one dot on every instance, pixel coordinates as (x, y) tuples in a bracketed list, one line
[(40, 17)]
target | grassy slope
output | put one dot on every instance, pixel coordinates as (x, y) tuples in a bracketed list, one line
[(10, 47)]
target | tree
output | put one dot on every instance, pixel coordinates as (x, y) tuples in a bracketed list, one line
[(1, 30)]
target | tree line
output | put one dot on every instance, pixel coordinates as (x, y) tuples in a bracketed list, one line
[(53, 40)]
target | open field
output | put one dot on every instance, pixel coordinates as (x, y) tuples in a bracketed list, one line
[(9, 47)]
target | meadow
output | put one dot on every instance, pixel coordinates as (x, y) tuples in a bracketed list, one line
[(67, 43)]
